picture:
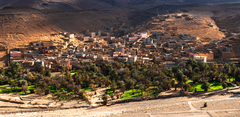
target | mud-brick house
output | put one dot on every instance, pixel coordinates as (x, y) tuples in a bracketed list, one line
[(210, 56), (200, 58), (131, 52), (62, 45), (80, 55), (74, 62), (52, 59), (3, 48), (71, 36), (81, 49), (64, 56), (28, 63), (39, 63), (168, 57), (35, 54), (65, 63), (18, 61), (22, 49), (54, 51), (47, 43), (28, 54), (15, 54), (117, 40), (132, 59), (36, 44), (136, 46), (86, 61), (120, 49), (43, 50), (86, 38), (169, 50), (123, 58)]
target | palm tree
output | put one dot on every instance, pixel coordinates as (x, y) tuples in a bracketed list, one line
[(113, 86), (211, 75), (186, 87), (205, 86), (181, 78), (224, 77), (141, 87), (130, 84), (214, 66)]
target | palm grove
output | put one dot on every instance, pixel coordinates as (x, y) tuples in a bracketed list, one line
[(119, 77)]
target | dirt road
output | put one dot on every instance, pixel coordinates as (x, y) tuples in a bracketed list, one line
[(218, 106)]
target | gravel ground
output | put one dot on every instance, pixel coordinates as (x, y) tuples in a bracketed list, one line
[(218, 105), (225, 114), (223, 106)]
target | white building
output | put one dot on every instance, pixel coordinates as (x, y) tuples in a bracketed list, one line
[(201, 58)]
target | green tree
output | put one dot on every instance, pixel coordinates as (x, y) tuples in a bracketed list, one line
[(224, 77), (24, 89), (23, 83), (186, 87), (105, 99), (211, 75), (141, 87), (41, 69), (181, 78), (224, 85), (113, 86), (205, 86)]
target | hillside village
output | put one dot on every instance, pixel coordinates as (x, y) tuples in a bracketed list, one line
[(157, 41)]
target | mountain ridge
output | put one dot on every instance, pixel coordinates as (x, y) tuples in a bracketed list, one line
[(64, 5)]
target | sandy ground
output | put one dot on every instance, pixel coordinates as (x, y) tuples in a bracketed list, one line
[(221, 105), (224, 105)]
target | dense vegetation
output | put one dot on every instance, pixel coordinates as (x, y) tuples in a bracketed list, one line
[(133, 80)]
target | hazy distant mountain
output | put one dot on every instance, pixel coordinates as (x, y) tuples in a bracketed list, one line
[(95, 4)]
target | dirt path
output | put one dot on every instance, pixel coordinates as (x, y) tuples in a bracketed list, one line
[(173, 107)]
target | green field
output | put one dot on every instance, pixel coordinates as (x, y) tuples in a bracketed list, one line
[(137, 93), (213, 84), (86, 89), (130, 94), (4, 85)]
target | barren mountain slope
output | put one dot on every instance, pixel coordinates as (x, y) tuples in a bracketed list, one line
[(25, 24), (231, 23)]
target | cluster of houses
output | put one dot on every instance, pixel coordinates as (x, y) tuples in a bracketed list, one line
[(144, 47)]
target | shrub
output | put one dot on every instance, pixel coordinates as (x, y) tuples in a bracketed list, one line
[(47, 91), (39, 91), (59, 93), (5, 91), (105, 99), (238, 83), (205, 104), (205, 86), (224, 85), (32, 90), (70, 87), (24, 88), (77, 89), (23, 82), (83, 95)]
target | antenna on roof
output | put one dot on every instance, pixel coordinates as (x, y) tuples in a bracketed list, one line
[(157, 11)]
